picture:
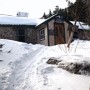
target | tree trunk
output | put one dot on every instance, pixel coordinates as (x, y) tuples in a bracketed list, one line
[(71, 35)]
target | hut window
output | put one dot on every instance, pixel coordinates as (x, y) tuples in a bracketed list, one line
[(42, 34)]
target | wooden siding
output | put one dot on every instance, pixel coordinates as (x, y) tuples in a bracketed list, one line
[(31, 35), (67, 29), (45, 40), (59, 33), (51, 33)]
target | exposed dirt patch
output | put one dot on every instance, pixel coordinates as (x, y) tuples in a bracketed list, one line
[(76, 68)]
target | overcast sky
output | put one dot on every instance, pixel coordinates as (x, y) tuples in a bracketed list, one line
[(35, 8)]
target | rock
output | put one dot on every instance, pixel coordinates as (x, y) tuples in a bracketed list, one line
[(1, 45), (53, 61)]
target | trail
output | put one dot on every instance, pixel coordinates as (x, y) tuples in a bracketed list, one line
[(23, 72)]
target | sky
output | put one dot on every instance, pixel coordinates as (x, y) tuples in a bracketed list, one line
[(35, 8)]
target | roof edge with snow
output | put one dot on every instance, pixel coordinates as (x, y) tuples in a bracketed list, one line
[(13, 20)]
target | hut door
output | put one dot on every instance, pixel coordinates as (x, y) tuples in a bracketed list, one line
[(21, 35)]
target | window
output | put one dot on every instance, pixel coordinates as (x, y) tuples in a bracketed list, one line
[(42, 34)]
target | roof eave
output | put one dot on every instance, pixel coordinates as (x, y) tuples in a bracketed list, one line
[(19, 25)]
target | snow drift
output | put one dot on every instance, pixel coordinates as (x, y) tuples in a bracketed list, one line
[(23, 66)]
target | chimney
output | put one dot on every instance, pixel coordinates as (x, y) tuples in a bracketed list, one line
[(22, 14)]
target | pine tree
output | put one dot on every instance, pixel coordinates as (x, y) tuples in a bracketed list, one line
[(50, 13), (77, 10), (88, 11), (44, 15), (56, 10)]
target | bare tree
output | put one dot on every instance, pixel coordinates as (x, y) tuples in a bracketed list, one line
[(76, 14)]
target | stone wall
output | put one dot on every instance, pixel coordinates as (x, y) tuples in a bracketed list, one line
[(84, 34), (7, 32), (11, 32)]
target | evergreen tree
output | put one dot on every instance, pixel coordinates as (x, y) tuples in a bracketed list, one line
[(50, 13), (56, 10), (44, 16), (88, 11), (77, 10)]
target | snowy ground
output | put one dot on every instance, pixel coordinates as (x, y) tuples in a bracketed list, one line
[(23, 66)]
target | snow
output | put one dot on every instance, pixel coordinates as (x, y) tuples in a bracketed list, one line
[(23, 66), (81, 25), (12, 20)]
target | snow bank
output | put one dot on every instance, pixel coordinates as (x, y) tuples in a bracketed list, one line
[(24, 67)]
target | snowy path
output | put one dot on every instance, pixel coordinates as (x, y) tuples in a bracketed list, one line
[(22, 72)]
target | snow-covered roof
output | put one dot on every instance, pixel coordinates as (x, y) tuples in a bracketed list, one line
[(53, 16), (81, 25), (13, 20), (45, 20)]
